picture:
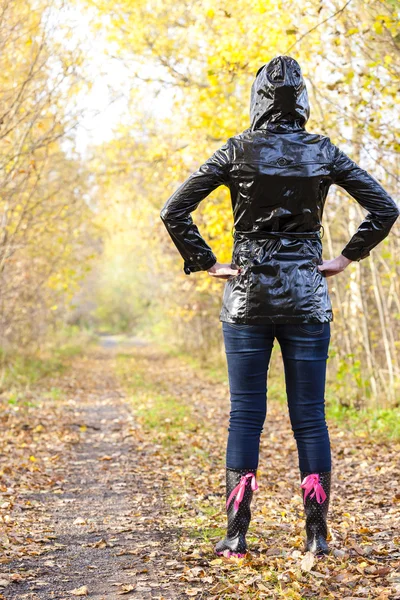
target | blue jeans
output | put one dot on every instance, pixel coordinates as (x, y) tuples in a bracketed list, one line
[(304, 348)]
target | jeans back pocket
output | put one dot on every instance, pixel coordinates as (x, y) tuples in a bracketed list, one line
[(311, 328)]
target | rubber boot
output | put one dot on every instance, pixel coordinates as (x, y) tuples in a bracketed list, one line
[(240, 485), (316, 489)]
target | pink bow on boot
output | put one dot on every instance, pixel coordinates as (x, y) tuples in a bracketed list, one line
[(312, 482), (239, 489)]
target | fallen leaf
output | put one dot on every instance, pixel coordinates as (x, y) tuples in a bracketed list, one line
[(272, 552), (126, 588), (100, 544), (82, 591), (308, 562), (357, 548)]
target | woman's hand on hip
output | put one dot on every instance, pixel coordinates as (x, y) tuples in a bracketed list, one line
[(334, 266), (223, 271)]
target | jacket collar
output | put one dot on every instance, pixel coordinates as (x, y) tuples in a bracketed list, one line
[(282, 127)]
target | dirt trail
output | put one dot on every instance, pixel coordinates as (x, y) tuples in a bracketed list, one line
[(98, 525), (84, 486)]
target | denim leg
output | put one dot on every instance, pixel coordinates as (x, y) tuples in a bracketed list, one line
[(305, 353), (248, 350)]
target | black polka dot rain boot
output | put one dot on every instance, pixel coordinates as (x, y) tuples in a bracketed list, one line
[(316, 488), (240, 485)]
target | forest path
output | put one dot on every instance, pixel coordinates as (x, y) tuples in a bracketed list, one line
[(112, 484), (84, 518)]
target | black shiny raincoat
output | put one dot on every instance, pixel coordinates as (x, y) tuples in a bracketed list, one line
[(279, 176)]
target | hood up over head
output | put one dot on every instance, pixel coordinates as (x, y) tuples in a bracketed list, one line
[(279, 99)]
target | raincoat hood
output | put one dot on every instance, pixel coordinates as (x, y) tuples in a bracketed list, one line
[(279, 98)]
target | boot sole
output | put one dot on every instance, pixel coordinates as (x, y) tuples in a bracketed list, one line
[(231, 554)]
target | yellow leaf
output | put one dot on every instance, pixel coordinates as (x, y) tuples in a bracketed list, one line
[(126, 588), (82, 591)]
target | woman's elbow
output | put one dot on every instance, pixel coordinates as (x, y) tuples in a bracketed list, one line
[(389, 213), (392, 214), (164, 214)]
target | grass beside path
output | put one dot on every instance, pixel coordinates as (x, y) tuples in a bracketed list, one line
[(374, 422), (183, 410)]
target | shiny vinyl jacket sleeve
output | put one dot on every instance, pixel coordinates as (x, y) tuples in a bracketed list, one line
[(175, 214), (382, 209)]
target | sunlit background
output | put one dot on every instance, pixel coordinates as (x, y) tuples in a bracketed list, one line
[(108, 106)]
